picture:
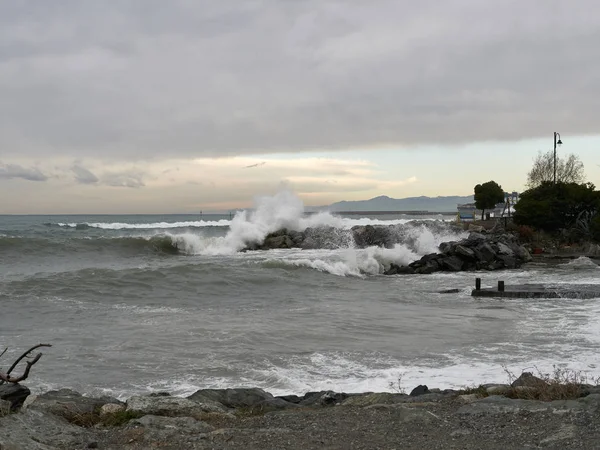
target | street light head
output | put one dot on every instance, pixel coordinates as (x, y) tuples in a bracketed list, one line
[(559, 142)]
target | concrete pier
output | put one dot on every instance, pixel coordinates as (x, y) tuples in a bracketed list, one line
[(537, 290)]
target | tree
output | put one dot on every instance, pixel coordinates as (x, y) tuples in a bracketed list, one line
[(568, 169), (487, 195), (552, 207)]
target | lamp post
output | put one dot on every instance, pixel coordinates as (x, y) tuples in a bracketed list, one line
[(556, 142)]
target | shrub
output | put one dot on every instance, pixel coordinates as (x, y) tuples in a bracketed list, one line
[(561, 384)]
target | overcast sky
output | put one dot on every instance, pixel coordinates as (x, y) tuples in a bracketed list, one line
[(175, 106)]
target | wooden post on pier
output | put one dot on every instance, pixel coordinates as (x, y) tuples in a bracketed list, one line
[(500, 286), (477, 284)]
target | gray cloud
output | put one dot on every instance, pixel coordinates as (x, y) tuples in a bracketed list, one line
[(17, 171), (149, 79), (83, 175), (123, 179)]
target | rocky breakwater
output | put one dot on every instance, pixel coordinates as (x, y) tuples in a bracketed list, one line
[(495, 251), (359, 236), (528, 413)]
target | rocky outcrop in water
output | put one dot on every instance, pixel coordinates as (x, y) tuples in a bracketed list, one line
[(360, 236), (477, 252)]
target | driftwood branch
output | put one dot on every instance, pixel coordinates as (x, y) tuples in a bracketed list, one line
[(5, 377), (3, 352)]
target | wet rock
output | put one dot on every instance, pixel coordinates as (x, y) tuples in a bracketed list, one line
[(369, 236), (172, 406), (446, 247), (232, 398), (395, 269), (504, 249), (464, 252), (324, 398), (15, 394), (419, 390), (452, 263), (477, 252), (274, 242), (487, 252), (528, 379)]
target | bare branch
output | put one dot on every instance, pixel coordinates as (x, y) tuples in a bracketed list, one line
[(24, 355), (29, 364), (3, 352), (568, 169)]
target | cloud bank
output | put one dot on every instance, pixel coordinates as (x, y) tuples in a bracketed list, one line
[(152, 79)]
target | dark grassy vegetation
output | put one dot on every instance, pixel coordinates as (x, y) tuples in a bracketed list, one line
[(94, 418)]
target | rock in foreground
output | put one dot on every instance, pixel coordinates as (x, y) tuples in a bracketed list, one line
[(426, 419)]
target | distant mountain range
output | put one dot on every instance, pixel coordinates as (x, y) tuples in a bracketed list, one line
[(385, 203)]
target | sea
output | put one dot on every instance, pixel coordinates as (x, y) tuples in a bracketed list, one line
[(134, 304)]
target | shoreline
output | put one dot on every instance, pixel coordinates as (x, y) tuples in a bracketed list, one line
[(531, 412)]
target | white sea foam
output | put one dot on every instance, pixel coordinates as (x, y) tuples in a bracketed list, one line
[(341, 373), (581, 263), (285, 210), (150, 226), (346, 262)]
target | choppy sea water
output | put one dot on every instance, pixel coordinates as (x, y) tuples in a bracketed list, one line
[(135, 304)]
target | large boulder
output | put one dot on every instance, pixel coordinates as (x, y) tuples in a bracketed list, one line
[(15, 394), (231, 398), (40, 430), (485, 252), (465, 252), (395, 269), (528, 379), (323, 398), (273, 242), (369, 236), (452, 263), (166, 405), (68, 403)]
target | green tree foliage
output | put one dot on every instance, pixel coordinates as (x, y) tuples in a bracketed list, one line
[(487, 195), (552, 207)]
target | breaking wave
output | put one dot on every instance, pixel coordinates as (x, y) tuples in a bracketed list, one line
[(332, 236)]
